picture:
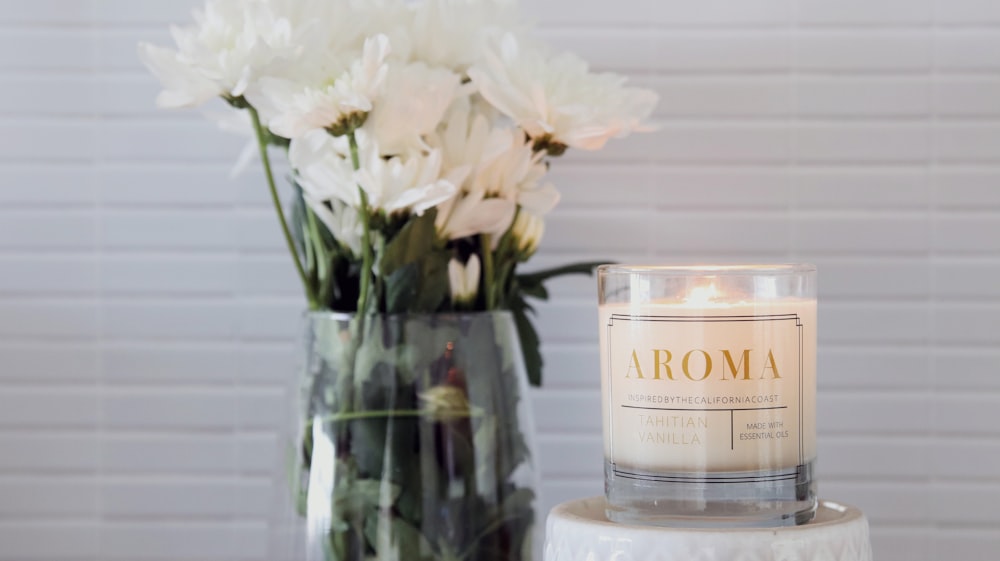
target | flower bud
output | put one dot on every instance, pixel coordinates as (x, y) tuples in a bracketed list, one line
[(528, 230), (348, 123), (464, 280), (444, 403), (549, 145)]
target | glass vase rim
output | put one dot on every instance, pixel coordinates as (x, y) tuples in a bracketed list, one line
[(695, 270), (347, 316)]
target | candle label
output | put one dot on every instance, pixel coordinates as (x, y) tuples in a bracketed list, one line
[(708, 394)]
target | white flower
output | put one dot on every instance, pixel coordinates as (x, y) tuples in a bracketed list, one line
[(398, 184), (528, 230), (232, 43), (185, 85), (467, 141), (323, 168), (453, 33), (466, 137), (337, 97), (464, 280), (394, 19), (557, 101), (328, 30), (343, 221), (516, 174), (502, 172), (471, 214), (411, 105), (403, 184)]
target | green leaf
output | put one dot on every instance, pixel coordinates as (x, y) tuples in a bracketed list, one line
[(392, 538), (538, 277), (379, 363), (530, 342), (328, 342), (434, 284), (415, 267), (414, 242), (354, 498), (401, 288), (535, 291)]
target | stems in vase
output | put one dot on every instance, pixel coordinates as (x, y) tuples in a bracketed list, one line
[(486, 241), (276, 200), (367, 259)]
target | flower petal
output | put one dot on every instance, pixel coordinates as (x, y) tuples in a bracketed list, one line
[(472, 216), (422, 199), (539, 201), (184, 85)]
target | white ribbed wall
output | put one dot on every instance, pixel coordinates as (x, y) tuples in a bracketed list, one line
[(148, 312)]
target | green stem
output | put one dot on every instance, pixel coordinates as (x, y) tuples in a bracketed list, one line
[(488, 270), (386, 414), (266, 160), (379, 282), (320, 256), (358, 415), (506, 256), (367, 259)]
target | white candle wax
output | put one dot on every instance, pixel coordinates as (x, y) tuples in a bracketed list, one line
[(708, 385)]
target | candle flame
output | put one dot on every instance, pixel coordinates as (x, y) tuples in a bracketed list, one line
[(702, 295)]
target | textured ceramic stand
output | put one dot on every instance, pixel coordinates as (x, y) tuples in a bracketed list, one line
[(579, 531)]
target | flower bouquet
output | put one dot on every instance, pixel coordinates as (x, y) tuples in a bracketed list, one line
[(419, 136)]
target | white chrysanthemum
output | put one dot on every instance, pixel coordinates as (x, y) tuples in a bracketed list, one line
[(403, 184), (336, 95), (467, 137), (411, 106), (411, 184), (323, 168), (558, 101), (327, 28), (517, 174), (394, 19), (502, 173), (453, 33), (343, 222), (464, 280), (471, 214), (467, 141), (232, 43)]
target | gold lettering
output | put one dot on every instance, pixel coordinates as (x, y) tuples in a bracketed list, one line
[(772, 365), (708, 365), (677, 438), (739, 367), (665, 363), (734, 367), (634, 363)]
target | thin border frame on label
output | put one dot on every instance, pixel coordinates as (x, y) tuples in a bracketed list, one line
[(706, 319)]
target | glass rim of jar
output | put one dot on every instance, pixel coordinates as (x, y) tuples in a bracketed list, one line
[(700, 270)]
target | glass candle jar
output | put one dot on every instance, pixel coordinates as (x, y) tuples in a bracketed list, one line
[(709, 394)]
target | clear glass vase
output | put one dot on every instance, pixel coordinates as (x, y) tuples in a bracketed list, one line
[(415, 440)]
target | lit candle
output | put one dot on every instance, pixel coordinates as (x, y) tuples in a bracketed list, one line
[(709, 392)]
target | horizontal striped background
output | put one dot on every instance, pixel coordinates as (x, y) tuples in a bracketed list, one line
[(148, 313)]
